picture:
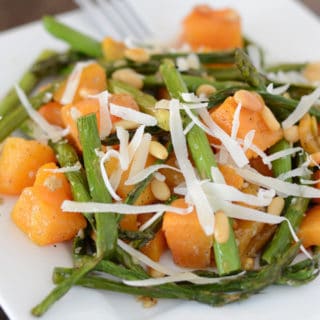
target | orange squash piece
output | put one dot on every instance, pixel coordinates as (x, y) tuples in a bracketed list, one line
[(189, 245), (212, 29), (112, 49), (230, 176), (53, 181), (93, 80), (146, 197), (71, 112), (155, 247), (309, 231), (51, 111), (249, 120), (20, 159), (123, 100), (129, 222), (37, 211)]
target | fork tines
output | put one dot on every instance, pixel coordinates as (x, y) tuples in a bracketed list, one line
[(117, 17)]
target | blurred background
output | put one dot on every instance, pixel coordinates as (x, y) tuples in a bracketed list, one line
[(17, 12)]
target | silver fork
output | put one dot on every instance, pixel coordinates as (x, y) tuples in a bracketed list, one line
[(116, 17)]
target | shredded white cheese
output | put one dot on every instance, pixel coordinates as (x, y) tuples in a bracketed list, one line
[(74, 206), (140, 157), (147, 171), (105, 119), (204, 211), (236, 122), (230, 144), (306, 102), (297, 172), (281, 154), (278, 90), (73, 82), (73, 168), (281, 187), (53, 132), (149, 222), (179, 277), (132, 115)]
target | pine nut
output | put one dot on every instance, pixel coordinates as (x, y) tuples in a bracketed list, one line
[(314, 126), (270, 120), (128, 76), (155, 273), (205, 90), (291, 134), (249, 100), (312, 72), (315, 159), (162, 104), (160, 190), (276, 206), (221, 230), (248, 263), (157, 150), (137, 55), (126, 124)]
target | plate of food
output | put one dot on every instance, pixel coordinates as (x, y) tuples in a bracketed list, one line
[(147, 181)]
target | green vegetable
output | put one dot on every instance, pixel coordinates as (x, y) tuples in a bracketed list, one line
[(77, 40), (226, 255), (13, 119)]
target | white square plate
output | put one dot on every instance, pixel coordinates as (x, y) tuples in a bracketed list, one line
[(288, 32)]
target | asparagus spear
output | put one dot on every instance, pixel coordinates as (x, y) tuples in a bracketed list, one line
[(294, 213), (77, 40), (192, 82), (248, 71), (206, 57), (226, 254), (213, 294), (106, 224), (224, 73), (67, 157), (53, 64), (27, 83), (12, 120), (283, 164), (144, 100)]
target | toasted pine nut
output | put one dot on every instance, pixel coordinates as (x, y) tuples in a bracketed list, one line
[(128, 76), (221, 230), (291, 134), (126, 124), (155, 273), (147, 302), (205, 90), (248, 263), (249, 100), (312, 71), (160, 190), (162, 104), (137, 54), (157, 150), (314, 126), (270, 120), (315, 159), (276, 206)]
